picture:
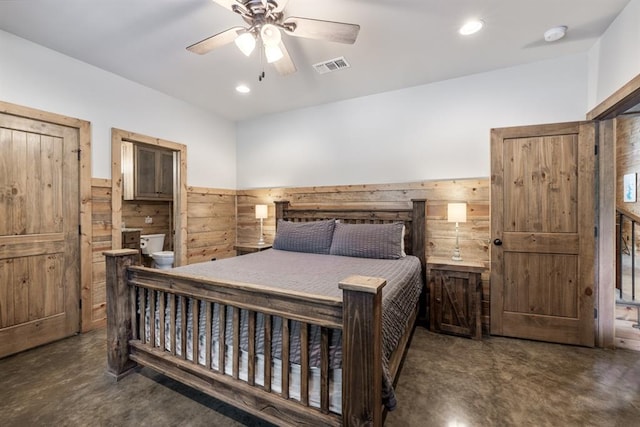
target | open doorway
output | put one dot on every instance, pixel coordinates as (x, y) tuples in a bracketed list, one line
[(627, 289), (178, 212), (610, 187)]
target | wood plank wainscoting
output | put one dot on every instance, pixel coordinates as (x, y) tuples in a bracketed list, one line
[(211, 226), (101, 229), (474, 234), (214, 228), (211, 234)]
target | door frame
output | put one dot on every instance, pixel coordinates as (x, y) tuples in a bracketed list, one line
[(179, 186), (616, 104), (84, 175)]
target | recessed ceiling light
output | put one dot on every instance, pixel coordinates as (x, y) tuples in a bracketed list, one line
[(471, 27), (243, 88)]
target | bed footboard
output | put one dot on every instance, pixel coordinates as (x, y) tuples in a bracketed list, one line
[(138, 298)]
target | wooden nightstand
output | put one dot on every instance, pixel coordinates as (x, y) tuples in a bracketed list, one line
[(455, 289), (247, 248)]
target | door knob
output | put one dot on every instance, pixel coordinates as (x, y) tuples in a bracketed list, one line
[(497, 242)]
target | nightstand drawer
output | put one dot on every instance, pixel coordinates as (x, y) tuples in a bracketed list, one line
[(129, 237)]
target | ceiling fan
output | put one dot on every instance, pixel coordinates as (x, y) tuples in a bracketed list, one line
[(266, 23)]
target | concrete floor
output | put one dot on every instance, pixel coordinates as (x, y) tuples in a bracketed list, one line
[(446, 381)]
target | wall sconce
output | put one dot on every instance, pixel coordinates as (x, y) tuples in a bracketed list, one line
[(261, 214), (457, 212)]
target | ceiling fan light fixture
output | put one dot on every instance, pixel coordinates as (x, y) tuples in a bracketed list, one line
[(270, 35), (272, 53), (246, 42), (471, 27)]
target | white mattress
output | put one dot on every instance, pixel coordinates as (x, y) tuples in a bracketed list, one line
[(335, 375)]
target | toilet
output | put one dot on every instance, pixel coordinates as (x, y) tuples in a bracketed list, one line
[(163, 259), (151, 245)]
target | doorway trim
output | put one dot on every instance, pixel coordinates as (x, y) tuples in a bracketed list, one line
[(179, 194), (86, 234), (616, 104), (619, 102)]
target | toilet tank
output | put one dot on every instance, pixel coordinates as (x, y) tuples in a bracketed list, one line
[(150, 243)]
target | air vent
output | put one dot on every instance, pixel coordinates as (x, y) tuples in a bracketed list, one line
[(331, 65)]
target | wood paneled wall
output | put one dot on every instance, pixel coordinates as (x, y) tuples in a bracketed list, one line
[(135, 212), (474, 234), (211, 232), (211, 224), (101, 241), (440, 239), (217, 219)]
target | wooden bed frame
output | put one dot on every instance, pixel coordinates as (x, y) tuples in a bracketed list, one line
[(357, 314)]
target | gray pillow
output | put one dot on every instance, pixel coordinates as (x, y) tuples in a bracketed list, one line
[(314, 236), (382, 241)]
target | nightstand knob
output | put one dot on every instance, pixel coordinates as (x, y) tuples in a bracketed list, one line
[(497, 242)]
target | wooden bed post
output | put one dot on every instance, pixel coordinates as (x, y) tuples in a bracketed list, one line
[(281, 207), (119, 311), (418, 230), (362, 351)]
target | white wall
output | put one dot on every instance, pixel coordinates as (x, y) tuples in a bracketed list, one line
[(615, 58), (37, 77), (435, 131)]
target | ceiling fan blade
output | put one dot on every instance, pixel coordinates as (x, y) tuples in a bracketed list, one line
[(227, 4), (284, 65), (322, 30), (215, 41)]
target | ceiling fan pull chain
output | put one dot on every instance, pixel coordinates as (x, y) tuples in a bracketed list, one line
[(261, 75)]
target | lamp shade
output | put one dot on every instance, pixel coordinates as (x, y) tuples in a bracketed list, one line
[(272, 53), (246, 42), (261, 211), (457, 212)]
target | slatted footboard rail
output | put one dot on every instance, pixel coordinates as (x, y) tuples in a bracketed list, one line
[(162, 320)]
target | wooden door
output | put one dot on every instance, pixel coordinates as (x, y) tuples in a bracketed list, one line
[(543, 223), (39, 233)]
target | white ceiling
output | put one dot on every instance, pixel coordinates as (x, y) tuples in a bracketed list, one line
[(401, 43)]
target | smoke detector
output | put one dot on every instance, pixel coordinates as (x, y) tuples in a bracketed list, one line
[(555, 33)]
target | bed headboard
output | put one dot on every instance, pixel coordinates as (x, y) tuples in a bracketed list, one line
[(413, 216)]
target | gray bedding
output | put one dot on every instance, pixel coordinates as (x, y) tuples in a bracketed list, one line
[(319, 275)]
